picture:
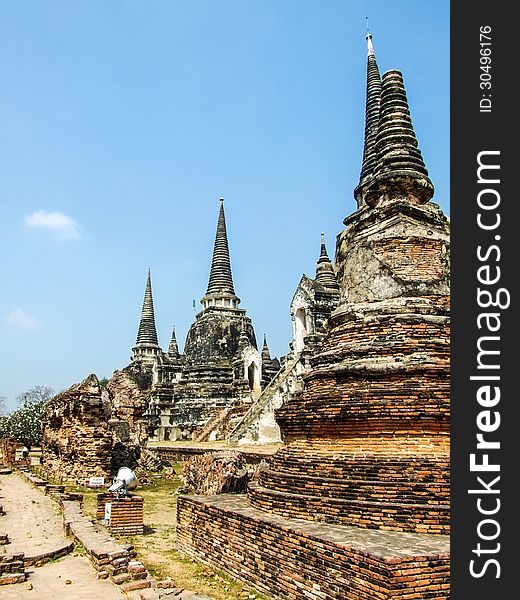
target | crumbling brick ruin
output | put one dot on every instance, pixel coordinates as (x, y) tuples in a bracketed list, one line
[(77, 439), (126, 398), (91, 430), (212, 473), (7, 452), (356, 505)]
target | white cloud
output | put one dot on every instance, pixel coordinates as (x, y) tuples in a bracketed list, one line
[(19, 318), (65, 227)]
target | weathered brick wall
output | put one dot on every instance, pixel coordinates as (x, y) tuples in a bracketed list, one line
[(111, 559), (92, 431), (289, 564), (411, 258), (126, 398), (388, 481), (7, 451), (396, 250), (77, 439)]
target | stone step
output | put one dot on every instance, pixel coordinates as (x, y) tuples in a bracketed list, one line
[(10, 578), (398, 516), (354, 467), (396, 490)]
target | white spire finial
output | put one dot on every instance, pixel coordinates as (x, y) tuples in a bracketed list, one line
[(369, 41)]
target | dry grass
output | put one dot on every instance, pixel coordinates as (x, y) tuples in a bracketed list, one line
[(156, 548)]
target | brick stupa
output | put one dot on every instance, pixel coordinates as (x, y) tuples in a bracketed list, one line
[(356, 505)]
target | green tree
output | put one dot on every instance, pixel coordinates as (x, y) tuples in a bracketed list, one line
[(24, 424)]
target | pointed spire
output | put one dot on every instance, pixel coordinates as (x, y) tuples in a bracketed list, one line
[(266, 354), (147, 334), (221, 278), (173, 348), (373, 96), (323, 248), (324, 269), (400, 169)]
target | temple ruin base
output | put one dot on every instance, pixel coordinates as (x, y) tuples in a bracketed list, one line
[(292, 559)]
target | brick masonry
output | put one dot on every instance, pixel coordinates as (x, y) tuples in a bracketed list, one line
[(7, 452), (182, 453), (12, 568), (111, 559), (367, 442), (291, 559), (77, 439), (126, 513)]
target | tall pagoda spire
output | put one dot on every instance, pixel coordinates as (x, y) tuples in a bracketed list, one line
[(220, 291), (324, 269), (220, 277), (147, 333), (373, 96), (400, 170)]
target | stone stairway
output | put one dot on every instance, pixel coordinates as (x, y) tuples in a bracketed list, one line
[(203, 435), (220, 424), (249, 428)]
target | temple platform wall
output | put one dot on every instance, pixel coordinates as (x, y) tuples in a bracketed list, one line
[(291, 559)]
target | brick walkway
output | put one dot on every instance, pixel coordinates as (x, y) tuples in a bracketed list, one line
[(32, 520), (35, 527), (48, 583)]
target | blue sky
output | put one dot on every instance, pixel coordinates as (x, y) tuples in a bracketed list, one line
[(124, 121)]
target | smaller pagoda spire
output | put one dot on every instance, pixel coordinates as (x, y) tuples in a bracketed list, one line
[(373, 97), (324, 269), (147, 334), (400, 170), (173, 348), (266, 354)]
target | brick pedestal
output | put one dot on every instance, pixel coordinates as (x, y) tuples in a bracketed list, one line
[(121, 515)]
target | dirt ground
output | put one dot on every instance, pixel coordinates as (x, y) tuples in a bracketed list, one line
[(156, 548)]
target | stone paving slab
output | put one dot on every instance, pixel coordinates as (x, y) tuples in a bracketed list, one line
[(31, 521), (48, 583)]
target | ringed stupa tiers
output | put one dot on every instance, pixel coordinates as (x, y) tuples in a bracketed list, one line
[(356, 505)]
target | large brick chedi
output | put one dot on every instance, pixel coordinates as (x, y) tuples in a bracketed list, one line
[(368, 440), (366, 461)]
